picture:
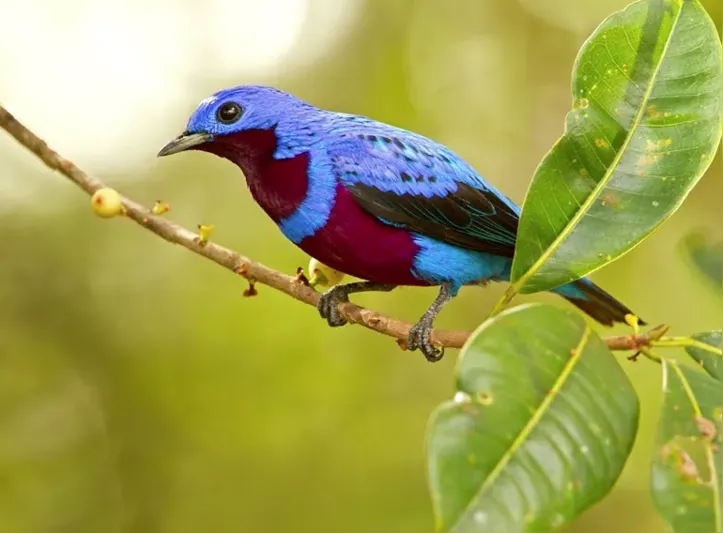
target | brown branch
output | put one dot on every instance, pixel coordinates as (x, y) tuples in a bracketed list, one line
[(252, 270)]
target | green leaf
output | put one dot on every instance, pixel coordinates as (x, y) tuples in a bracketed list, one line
[(706, 349), (706, 256), (540, 430), (645, 125), (686, 469)]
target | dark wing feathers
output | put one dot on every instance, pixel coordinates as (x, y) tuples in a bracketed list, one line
[(452, 218), (410, 181)]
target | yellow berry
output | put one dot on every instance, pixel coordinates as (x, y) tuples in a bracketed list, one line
[(323, 275), (106, 203)]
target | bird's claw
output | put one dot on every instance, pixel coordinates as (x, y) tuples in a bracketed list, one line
[(420, 338), (329, 306)]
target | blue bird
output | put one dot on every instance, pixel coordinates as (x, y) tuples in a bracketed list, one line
[(372, 200)]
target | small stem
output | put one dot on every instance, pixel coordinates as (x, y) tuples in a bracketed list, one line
[(685, 342), (507, 297), (647, 352), (672, 342)]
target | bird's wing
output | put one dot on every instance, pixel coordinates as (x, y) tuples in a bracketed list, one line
[(410, 181)]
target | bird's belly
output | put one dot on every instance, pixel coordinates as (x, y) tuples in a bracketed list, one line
[(358, 244)]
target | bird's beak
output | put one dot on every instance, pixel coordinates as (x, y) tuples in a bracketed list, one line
[(185, 141)]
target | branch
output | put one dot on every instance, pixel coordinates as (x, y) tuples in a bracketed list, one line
[(252, 270)]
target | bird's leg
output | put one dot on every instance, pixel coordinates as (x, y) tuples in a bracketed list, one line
[(329, 301), (419, 335)]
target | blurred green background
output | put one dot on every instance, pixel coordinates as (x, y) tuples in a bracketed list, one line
[(139, 392)]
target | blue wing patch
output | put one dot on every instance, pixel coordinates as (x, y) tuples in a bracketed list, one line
[(410, 181)]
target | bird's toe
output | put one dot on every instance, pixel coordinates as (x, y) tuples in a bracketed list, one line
[(328, 308), (420, 339), (432, 353), (334, 318)]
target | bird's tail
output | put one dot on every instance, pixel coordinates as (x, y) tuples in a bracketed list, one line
[(598, 304)]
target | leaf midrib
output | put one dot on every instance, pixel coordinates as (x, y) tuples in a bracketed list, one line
[(585, 207), (532, 423), (704, 346)]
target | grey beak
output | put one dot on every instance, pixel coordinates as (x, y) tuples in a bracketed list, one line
[(185, 141)]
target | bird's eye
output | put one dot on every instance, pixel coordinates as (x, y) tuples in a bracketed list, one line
[(228, 113)]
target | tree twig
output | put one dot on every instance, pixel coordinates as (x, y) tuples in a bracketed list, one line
[(252, 270)]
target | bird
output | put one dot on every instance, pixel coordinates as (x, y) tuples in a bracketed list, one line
[(379, 203)]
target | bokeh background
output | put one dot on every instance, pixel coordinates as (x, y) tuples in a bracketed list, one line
[(139, 391)]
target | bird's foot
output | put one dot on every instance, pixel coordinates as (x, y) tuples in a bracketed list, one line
[(420, 338), (329, 305), (329, 302)]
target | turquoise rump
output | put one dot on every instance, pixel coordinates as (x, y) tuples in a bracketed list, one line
[(375, 201)]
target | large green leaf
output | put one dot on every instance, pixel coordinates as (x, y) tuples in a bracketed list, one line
[(706, 349), (686, 469), (540, 430), (645, 126)]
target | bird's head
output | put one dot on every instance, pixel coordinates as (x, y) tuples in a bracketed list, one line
[(235, 116)]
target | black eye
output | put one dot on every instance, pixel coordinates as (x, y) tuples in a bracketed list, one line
[(229, 113)]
